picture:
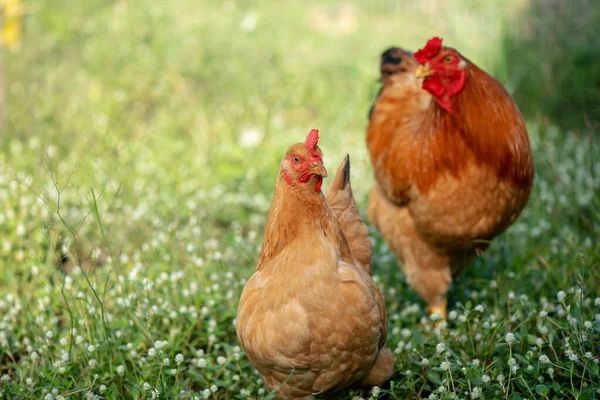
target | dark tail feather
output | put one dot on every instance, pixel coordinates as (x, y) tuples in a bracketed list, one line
[(346, 170)]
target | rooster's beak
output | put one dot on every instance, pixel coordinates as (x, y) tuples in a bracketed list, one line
[(423, 71), (319, 169)]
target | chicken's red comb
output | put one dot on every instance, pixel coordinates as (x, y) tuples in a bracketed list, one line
[(312, 139), (433, 46)]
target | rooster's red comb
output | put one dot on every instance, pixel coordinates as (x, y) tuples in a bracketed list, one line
[(433, 46), (312, 139)]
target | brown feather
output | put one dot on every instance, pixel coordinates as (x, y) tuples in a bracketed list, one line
[(341, 201), (447, 183), (311, 319)]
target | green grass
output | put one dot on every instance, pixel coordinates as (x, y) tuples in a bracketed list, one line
[(139, 151)]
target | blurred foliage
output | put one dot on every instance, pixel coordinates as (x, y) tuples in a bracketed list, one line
[(552, 61)]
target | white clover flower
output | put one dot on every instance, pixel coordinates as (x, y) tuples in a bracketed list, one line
[(34, 356), (375, 391), (511, 295), (146, 386), (440, 348), (424, 361), (493, 284), (78, 339), (49, 334), (561, 296), (201, 363), (476, 393), (500, 379), (572, 356), (102, 388), (550, 372), (243, 392), (5, 378), (159, 344), (173, 371), (597, 302), (166, 362), (480, 308), (121, 370), (29, 382), (452, 315), (221, 360), (91, 348), (588, 355), (512, 363), (539, 342), (214, 388), (588, 324), (151, 352), (48, 397), (485, 378), (63, 341), (92, 363), (445, 366), (509, 338), (179, 358)]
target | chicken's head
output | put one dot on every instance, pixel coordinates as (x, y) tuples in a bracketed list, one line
[(303, 164), (444, 71)]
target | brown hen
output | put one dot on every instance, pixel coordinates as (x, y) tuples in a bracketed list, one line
[(310, 319), (452, 162)]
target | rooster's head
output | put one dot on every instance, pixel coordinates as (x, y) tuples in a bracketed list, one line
[(444, 71)]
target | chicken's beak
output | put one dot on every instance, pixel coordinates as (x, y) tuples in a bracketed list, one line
[(319, 169), (423, 71)]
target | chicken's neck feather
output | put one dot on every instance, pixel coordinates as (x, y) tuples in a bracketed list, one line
[(293, 210), (486, 126)]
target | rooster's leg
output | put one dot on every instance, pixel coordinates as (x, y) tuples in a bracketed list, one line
[(439, 310)]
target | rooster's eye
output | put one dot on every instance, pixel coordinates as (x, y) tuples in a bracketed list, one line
[(448, 59), (296, 159)]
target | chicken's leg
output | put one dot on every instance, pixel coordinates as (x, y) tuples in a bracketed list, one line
[(427, 271)]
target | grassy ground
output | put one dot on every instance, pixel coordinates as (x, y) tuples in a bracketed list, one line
[(139, 151)]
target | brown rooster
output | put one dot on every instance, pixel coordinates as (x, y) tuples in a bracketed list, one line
[(452, 162), (310, 319)]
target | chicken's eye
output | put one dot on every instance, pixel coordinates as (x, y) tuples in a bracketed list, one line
[(297, 159), (448, 59)]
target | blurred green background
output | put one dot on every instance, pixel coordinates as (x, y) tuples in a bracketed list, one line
[(198, 85), (202, 85)]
